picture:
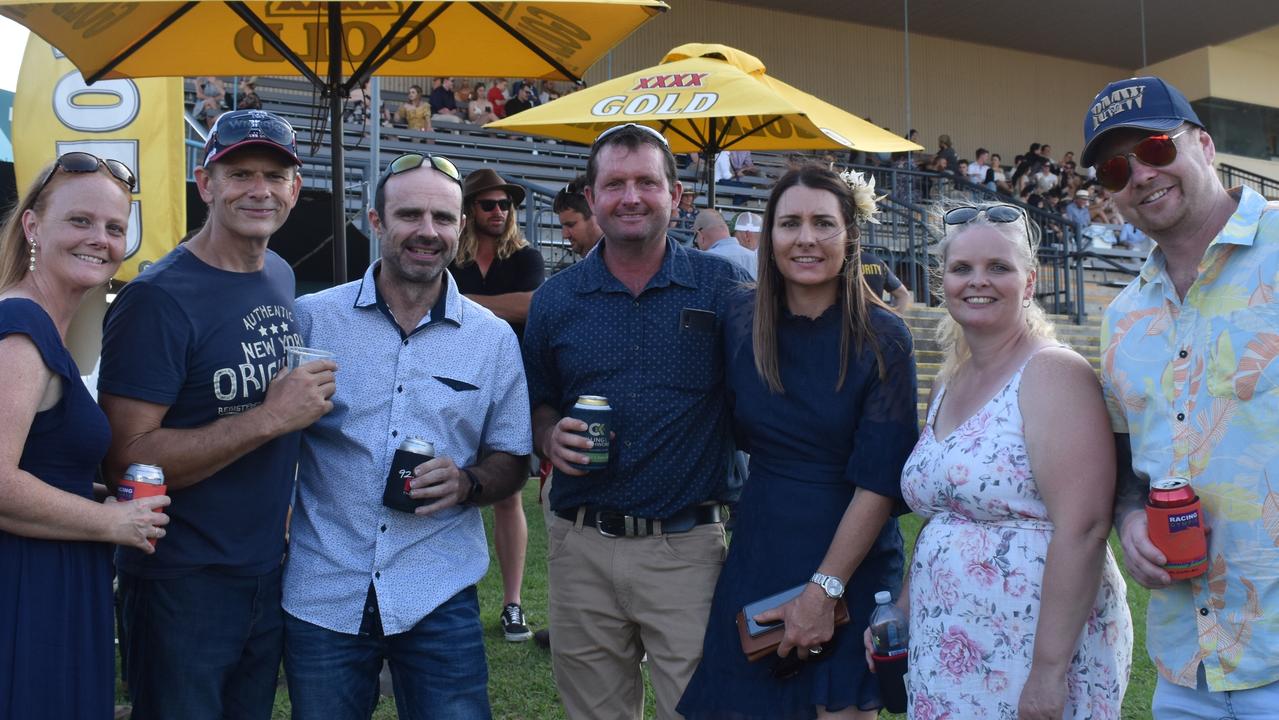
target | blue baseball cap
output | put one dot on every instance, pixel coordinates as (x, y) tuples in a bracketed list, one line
[(1148, 103), (241, 128)]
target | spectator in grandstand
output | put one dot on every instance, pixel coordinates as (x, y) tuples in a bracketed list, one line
[(978, 168), (746, 228), (1187, 351), (726, 177), (414, 113), (520, 102), (1025, 166), (686, 213), (210, 94), (710, 234), (497, 97), (248, 95), (443, 102), (1044, 178), (65, 238), (742, 163), (367, 583), (481, 108), (634, 548), (1045, 152), (810, 348), (880, 279), (946, 151), (577, 221), (193, 380), (497, 268), (1012, 572), (961, 170), (995, 178), (1077, 211), (357, 104)]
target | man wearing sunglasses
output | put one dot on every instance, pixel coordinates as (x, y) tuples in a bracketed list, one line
[(371, 579), (193, 380), (497, 268), (1186, 367), (635, 548)]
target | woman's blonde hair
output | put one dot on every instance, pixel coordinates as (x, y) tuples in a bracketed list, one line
[(855, 298), (15, 251), (1023, 237)]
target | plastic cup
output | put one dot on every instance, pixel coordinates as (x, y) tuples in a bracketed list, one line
[(296, 356)]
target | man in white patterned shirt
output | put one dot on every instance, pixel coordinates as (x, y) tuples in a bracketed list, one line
[(366, 582)]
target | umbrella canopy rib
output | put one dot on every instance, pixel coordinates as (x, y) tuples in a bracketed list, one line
[(377, 57), (758, 128), (532, 46), (700, 140), (159, 28), (255, 22)]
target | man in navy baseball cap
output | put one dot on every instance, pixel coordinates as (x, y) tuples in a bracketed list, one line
[(240, 128), (1189, 384)]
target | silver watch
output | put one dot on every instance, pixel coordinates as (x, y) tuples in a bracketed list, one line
[(831, 585)]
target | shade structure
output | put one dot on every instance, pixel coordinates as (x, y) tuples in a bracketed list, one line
[(707, 98), (329, 41)]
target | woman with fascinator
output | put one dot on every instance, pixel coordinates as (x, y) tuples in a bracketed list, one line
[(821, 375)]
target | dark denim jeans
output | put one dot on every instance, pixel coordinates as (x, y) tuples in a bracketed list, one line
[(205, 645), (438, 667)]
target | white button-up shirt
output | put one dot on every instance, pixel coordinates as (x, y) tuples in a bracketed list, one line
[(456, 381)]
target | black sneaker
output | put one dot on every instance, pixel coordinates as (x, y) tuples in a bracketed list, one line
[(513, 624)]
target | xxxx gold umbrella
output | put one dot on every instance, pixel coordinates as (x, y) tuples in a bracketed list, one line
[(325, 41), (707, 98)]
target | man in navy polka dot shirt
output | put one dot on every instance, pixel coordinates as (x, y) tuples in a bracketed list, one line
[(635, 548)]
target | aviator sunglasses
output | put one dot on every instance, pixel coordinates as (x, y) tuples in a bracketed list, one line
[(413, 161), (487, 205), (618, 128), (83, 162), (1155, 151), (994, 213)]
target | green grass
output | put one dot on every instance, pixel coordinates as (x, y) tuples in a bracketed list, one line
[(520, 684)]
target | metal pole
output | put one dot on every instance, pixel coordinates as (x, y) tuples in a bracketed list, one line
[(375, 155), (1141, 5), (906, 37), (338, 176)]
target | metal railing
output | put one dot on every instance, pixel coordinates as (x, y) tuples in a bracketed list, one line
[(1232, 176)]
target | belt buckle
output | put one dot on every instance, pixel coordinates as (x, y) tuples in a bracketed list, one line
[(625, 525), (600, 520)]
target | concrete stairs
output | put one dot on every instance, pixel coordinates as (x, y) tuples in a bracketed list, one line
[(923, 321)]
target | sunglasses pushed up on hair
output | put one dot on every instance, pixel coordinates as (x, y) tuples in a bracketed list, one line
[(1155, 151), (994, 213), (413, 161), (82, 162)]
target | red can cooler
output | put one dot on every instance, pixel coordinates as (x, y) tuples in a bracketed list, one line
[(1176, 527), (141, 481)]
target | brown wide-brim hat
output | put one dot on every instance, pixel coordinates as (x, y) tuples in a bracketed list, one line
[(483, 180)]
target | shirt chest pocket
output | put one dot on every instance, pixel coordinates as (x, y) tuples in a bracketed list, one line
[(1241, 357), (453, 403), (694, 357)]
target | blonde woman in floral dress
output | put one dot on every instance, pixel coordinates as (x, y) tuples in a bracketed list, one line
[(1016, 606)]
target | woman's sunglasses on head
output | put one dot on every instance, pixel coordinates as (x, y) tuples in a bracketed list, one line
[(83, 162), (994, 213), (1155, 151)]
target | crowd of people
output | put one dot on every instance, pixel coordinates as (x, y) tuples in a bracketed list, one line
[(452, 340)]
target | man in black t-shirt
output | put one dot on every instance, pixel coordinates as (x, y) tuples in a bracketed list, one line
[(880, 278), (193, 380), (497, 268)]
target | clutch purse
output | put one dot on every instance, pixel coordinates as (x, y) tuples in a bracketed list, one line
[(759, 641)]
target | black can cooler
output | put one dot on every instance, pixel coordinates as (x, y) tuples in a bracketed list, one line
[(412, 452), (890, 671)]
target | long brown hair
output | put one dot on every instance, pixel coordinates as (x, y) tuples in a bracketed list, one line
[(854, 296), (15, 252), (510, 240)]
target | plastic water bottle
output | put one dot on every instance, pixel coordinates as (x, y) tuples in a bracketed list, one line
[(889, 633), (889, 628)]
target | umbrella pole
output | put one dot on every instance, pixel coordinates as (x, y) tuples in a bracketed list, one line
[(711, 152), (338, 176)]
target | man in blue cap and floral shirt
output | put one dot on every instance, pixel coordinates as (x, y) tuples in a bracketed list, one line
[(1186, 349)]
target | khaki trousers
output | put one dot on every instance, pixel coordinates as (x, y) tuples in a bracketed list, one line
[(612, 600)]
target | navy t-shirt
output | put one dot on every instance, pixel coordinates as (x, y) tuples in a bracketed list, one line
[(206, 342), (523, 271), (877, 275)]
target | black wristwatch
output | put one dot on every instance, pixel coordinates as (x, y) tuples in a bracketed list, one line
[(472, 495)]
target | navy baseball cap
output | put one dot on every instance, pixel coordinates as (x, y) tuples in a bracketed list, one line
[(241, 128), (1148, 103)]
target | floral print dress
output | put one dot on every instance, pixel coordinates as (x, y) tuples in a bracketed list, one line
[(977, 572)]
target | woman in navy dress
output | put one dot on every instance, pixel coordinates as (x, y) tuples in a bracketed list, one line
[(66, 237), (822, 377)]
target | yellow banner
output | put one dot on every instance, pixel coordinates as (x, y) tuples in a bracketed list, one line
[(138, 122)]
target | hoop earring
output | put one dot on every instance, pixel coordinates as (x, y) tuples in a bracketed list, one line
[(31, 265), (1026, 303)]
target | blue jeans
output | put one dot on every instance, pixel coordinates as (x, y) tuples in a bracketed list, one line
[(438, 667), (1174, 702), (204, 645)]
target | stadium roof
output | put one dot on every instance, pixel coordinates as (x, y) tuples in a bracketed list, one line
[(1107, 32)]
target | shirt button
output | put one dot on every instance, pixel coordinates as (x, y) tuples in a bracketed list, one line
[(635, 304), (1181, 416), (1203, 611), (628, 443), (370, 610), (377, 575), (406, 342), (399, 389), (1182, 354), (383, 528), (395, 433)]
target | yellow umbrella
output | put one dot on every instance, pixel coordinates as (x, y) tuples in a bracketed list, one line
[(324, 41), (707, 98)]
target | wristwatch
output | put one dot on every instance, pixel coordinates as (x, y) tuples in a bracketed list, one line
[(831, 585)]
